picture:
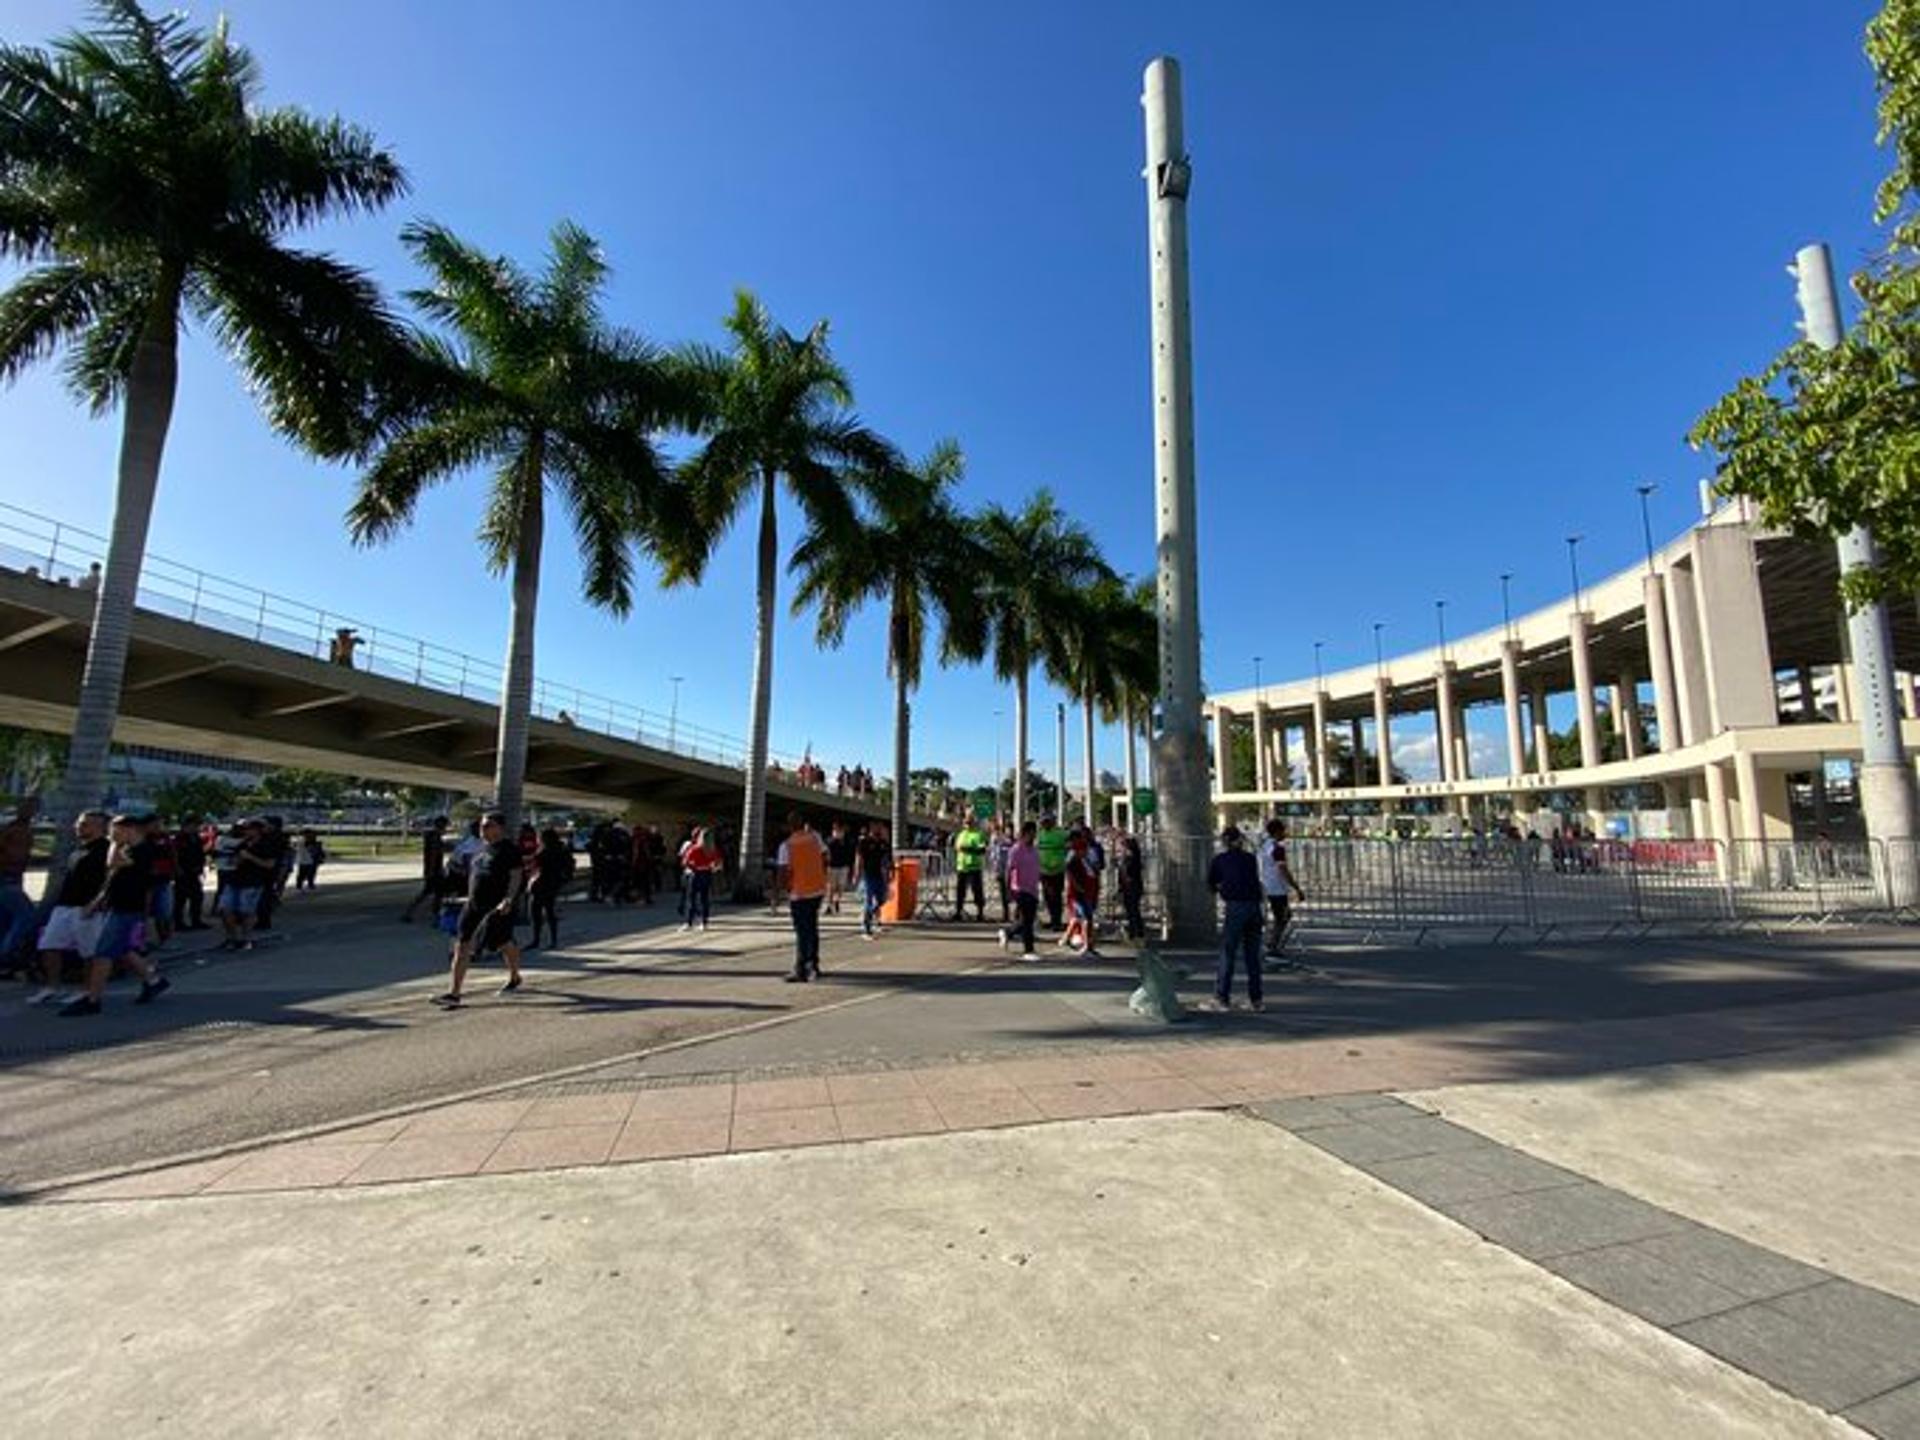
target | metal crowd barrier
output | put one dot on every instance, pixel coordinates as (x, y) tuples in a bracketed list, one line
[(1500, 889)]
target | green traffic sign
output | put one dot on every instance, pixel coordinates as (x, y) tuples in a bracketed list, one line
[(985, 802), (1144, 801)]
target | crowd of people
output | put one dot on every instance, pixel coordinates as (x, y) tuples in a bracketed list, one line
[(132, 883)]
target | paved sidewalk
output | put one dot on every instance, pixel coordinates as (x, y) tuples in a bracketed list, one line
[(1172, 1275)]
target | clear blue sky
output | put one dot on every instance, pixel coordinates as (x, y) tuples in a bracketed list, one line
[(1463, 276)]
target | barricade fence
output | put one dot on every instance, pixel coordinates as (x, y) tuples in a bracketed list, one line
[(1532, 889)]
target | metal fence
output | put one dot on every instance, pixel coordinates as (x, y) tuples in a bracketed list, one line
[(1497, 889), (63, 554)]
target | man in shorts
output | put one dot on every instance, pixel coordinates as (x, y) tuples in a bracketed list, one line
[(125, 902), (839, 864), (494, 877), (244, 869), (73, 927)]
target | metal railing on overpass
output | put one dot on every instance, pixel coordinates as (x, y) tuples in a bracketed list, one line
[(64, 554)]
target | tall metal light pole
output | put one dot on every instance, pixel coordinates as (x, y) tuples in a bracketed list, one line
[(1318, 646), (1506, 603), (1573, 564), (1060, 737), (673, 716), (1887, 799), (1180, 751), (1379, 653), (997, 776), (1257, 686), (1646, 521), (1440, 610)]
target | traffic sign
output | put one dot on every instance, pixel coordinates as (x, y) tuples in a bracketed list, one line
[(1145, 802)]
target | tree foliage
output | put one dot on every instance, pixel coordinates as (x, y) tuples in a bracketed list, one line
[(207, 796), (1827, 440)]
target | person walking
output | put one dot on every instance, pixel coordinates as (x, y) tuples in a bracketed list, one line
[(73, 926), (154, 849), (802, 863), (244, 869), (1234, 876), (1083, 893), (124, 902), (16, 909), (308, 856), (839, 863), (553, 870), (1051, 843), (997, 847), (701, 861), (1131, 874), (494, 879), (276, 851), (1278, 884), (433, 868), (189, 876), (873, 862), (1023, 880), (970, 864)]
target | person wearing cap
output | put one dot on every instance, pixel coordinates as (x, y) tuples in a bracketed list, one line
[(1234, 876), (494, 881)]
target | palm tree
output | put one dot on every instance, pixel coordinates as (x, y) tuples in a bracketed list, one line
[(1139, 673), (143, 184), (778, 408), (1104, 659), (917, 553), (537, 387), (1037, 557)]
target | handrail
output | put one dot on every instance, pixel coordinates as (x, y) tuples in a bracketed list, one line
[(64, 554)]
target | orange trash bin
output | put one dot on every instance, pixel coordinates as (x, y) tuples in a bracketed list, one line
[(905, 894)]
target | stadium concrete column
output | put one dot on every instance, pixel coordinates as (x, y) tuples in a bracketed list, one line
[(1510, 703), (1887, 797), (1322, 770), (1181, 750), (1222, 747), (1542, 728), (1262, 753), (1628, 712), (1689, 658), (1666, 712), (1719, 816), (1284, 755), (1589, 719), (1843, 685), (1443, 705), (1359, 752)]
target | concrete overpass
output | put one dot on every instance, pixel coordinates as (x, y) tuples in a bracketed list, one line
[(194, 685)]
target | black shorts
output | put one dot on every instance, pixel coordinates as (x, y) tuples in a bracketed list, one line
[(1279, 907), (487, 929)]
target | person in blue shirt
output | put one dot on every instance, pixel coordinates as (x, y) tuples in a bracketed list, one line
[(1234, 876)]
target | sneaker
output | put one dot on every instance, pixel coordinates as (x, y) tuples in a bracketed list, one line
[(795, 979), (1258, 1007), (1003, 939), (159, 985), (85, 1005), (686, 927), (1030, 958), (868, 935), (46, 993), (1091, 955), (513, 984), (448, 1001)]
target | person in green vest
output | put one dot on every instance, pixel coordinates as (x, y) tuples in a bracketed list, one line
[(1052, 845), (969, 863)]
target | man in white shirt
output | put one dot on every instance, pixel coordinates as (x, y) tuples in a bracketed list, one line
[(1276, 879)]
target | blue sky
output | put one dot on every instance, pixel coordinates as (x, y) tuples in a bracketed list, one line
[(1463, 276)]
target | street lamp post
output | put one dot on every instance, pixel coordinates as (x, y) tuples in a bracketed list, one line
[(1440, 611), (1180, 754), (1258, 688), (1506, 603), (1573, 565), (673, 714), (1379, 654), (1646, 521)]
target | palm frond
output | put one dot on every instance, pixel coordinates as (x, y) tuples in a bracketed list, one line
[(305, 169), (390, 487), (46, 308)]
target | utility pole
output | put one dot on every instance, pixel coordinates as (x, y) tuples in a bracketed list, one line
[(1060, 735), (1180, 750), (1887, 800)]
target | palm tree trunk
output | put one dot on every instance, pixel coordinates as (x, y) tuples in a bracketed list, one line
[(143, 439), (1019, 750), (516, 694), (1089, 773), (753, 834), (1133, 768)]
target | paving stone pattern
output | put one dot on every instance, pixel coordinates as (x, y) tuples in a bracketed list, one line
[(1847, 1348)]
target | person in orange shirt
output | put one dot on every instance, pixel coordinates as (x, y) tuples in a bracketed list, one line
[(802, 863)]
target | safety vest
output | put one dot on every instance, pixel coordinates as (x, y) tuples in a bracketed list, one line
[(969, 849), (1052, 845), (806, 866)]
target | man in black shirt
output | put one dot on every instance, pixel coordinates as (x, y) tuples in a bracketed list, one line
[(189, 866), (71, 928), (433, 868), (125, 899), (486, 920), (1235, 877)]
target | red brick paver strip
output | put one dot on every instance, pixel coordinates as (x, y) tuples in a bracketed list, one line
[(472, 1115), (684, 1102), (1085, 1101), (759, 1096), (167, 1184), (986, 1110), (293, 1167), (609, 1109), (428, 1157), (671, 1139), (867, 1089), (555, 1148), (780, 1129), (882, 1119)]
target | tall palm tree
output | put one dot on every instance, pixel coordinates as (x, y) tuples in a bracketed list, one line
[(532, 383), (1101, 661), (1138, 628), (779, 410), (142, 184), (915, 551), (1037, 557)]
